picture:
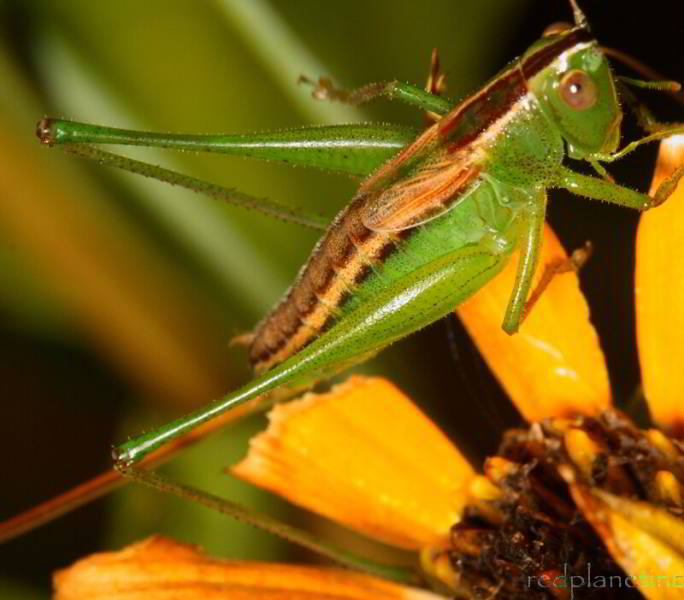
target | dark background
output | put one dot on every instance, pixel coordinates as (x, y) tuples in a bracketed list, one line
[(116, 309)]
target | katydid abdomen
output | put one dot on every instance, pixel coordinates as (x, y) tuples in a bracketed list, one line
[(352, 266)]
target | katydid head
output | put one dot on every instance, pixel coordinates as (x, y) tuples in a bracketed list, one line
[(575, 90)]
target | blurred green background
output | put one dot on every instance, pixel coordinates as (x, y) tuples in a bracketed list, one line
[(118, 295)]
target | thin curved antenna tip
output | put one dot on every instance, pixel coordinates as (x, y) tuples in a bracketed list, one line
[(580, 18)]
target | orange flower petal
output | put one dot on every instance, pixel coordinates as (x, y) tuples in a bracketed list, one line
[(659, 288), (647, 542), (160, 569), (365, 456), (554, 366)]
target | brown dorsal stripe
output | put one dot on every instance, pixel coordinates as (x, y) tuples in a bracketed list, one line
[(339, 261), (512, 83), (545, 56), (477, 106), (343, 258), (363, 274)]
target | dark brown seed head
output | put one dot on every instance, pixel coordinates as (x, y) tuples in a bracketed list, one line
[(522, 529)]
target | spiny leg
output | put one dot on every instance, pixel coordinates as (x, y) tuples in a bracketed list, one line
[(662, 132), (645, 118), (655, 81), (643, 69), (599, 189), (558, 266), (435, 84), (262, 205), (668, 86), (324, 89), (356, 149), (531, 225), (267, 523), (600, 169)]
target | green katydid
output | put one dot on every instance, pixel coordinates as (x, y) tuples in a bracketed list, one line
[(439, 215)]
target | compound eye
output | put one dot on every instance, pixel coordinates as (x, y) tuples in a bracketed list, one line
[(556, 28), (578, 90)]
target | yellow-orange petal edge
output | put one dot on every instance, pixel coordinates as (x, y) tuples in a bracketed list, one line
[(659, 290), (161, 569), (364, 456), (644, 540)]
